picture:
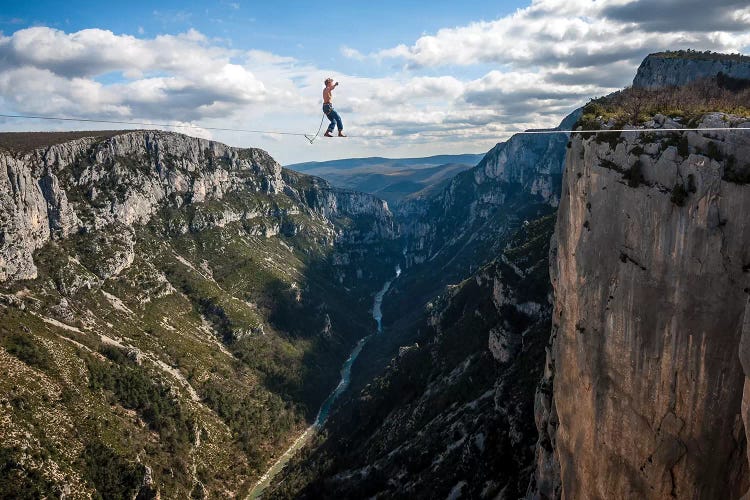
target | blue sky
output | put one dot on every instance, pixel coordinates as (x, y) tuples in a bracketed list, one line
[(295, 28), (432, 77)]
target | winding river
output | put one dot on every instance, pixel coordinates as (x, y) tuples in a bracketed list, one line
[(325, 408)]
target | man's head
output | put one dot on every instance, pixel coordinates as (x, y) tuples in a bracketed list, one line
[(328, 81)]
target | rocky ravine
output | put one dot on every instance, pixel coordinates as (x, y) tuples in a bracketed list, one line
[(452, 412), (451, 234), (451, 416), (643, 392), (172, 311)]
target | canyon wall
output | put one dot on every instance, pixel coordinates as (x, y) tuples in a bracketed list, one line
[(643, 389), (91, 183)]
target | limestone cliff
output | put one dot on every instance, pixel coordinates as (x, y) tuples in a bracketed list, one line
[(91, 183), (527, 165), (534, 162), (643, 390), (665, 69)]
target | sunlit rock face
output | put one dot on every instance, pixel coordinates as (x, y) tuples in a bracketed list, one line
[(90, 183), (672, 69)]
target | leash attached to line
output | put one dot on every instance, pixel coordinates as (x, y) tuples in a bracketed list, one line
[(312, 138)]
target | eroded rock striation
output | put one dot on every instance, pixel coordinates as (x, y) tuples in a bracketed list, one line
[(92, 183), (643, 389)]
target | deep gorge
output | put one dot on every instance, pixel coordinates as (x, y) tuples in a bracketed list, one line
[(570, 321)]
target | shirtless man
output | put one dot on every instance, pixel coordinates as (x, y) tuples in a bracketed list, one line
[(328, 109)]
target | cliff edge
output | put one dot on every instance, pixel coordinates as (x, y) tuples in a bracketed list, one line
[(643, 391), (673, 69)]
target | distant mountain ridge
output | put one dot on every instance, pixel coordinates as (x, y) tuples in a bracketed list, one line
[(392, 179), (349, 163)]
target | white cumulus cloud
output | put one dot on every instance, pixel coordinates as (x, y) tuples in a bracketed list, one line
[(582, 33), (460, 89)]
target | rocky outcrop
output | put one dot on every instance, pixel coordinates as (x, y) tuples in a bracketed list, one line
[(666, 69), (331, 202), (643, 389), (532, 161), (92, 183)]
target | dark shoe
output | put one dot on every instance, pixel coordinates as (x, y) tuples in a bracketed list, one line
[(341, 134), (328, 134)]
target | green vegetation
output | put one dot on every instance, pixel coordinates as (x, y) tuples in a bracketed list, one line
[(134, 388), (20, 482), (113, 476), (248, 418), (27, 350), (636, 106), (611, 138), (707, 55), (634, 175), (273, 328)]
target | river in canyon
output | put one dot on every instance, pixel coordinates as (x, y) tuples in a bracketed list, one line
[(325, 408)]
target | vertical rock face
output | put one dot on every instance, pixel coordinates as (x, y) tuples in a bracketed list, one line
[(667, 69), (535, 162), (92, 183), (643, 390)]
